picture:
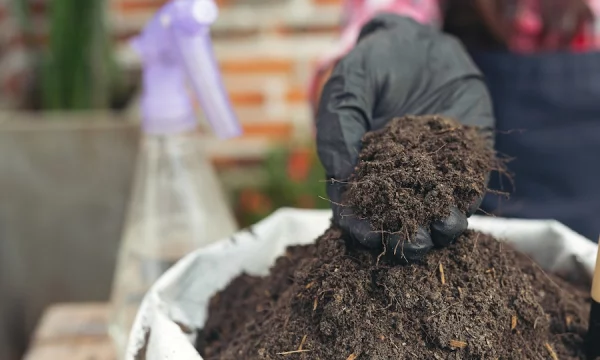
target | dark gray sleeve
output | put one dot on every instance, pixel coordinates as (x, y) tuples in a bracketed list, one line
[(344, 115)]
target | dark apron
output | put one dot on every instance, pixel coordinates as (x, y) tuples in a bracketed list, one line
[(547, 110)]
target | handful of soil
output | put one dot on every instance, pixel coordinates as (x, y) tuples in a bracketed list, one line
[(414, 169), (477, 299)]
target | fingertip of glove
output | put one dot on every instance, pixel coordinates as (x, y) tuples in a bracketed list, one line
[(413, 250), (477, 202), (360, 231), (444, 232), (474, 207)]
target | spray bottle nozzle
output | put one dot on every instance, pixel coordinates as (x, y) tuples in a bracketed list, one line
[(191, 15), (175, 46)]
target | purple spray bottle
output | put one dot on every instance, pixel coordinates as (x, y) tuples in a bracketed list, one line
[(177, 204)]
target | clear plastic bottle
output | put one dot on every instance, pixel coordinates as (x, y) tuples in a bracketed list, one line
[(177, 207), (177, 204)]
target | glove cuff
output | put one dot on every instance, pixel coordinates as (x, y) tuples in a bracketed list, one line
[(334, 191)]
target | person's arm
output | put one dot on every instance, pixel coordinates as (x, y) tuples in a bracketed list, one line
[(355, 14), (398, 67)]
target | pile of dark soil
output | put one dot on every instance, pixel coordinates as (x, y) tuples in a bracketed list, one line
[(477, 299), (245, 297)]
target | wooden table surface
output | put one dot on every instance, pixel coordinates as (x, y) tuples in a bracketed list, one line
[(74, 331)]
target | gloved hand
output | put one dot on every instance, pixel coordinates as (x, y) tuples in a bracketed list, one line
[(397, 68)]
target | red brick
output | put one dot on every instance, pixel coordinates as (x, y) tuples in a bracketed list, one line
[(14, 83), (257, 66), (296, 95), (232, 162), (267, 130), (328, 2), (224, 3), (233, 34), (271, 130), (129, 6), (39, 8), (246, 98), (35, 40)]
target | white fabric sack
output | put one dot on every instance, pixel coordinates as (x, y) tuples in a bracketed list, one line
[(179, 300)]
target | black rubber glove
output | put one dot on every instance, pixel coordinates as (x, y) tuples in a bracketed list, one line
[(397, 68)]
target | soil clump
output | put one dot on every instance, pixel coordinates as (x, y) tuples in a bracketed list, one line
[(414, 169)]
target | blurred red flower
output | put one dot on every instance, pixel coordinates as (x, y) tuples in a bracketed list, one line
[(299, 165), (254, 201)]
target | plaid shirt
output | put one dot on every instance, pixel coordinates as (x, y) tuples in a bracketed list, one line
[(527, 24)]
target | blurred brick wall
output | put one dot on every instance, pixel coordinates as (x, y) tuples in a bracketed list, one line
[(266, 50), (15, 54)]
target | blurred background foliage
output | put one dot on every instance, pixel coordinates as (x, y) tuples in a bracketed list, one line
[(294, 178), (77, 69)]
